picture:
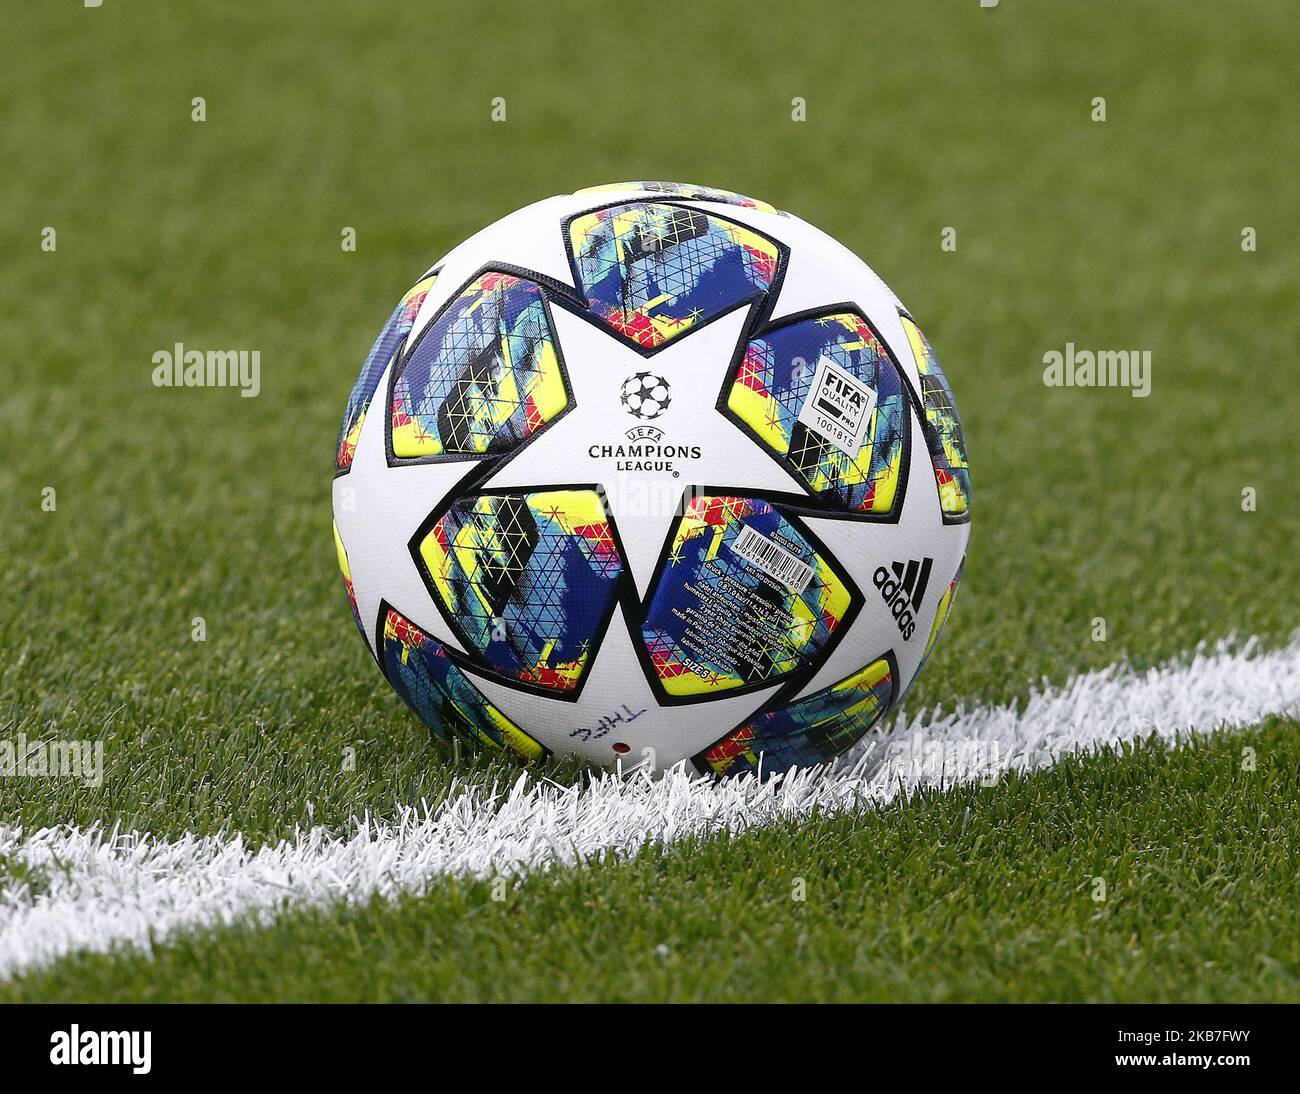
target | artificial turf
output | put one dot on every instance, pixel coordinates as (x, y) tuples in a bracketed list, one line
[(978, 894)]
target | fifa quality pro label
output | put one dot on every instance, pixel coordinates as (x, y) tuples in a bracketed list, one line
[(838, 407)]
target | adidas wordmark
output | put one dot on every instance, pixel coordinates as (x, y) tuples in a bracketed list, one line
[(904, 591)]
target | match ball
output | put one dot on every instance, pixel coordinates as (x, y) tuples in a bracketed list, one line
[(654, 473)]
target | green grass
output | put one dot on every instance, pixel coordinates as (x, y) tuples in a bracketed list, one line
[(979, 894), (177, 504)]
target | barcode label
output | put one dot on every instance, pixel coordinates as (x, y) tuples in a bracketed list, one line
[(773, 559)]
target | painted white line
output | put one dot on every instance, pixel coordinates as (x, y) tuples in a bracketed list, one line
[(101, 889)]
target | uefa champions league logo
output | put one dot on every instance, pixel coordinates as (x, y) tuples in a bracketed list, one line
[(645, 395)]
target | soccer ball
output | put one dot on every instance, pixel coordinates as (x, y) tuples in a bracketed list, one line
[(651, 471)]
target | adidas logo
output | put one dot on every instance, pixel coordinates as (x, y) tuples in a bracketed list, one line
[(903, 591)]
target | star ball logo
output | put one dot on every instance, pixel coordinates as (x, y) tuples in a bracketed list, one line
[(645, 395)]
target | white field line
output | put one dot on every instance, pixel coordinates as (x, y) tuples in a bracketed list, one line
[(103, 889)]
